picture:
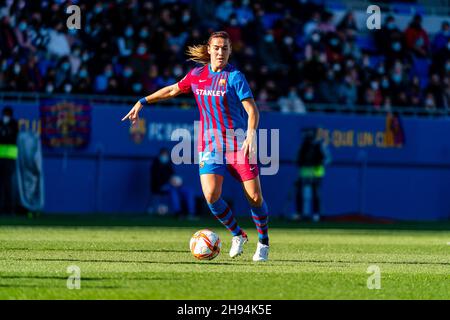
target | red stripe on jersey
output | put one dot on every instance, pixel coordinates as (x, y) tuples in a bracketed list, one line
[(204, 75), (202, 121), (208, 125), (215, 131), (227, 111)]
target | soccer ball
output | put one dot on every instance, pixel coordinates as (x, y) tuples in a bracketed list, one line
[(205, 244)]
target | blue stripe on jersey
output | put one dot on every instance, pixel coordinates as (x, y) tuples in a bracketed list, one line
[(216, 113), (210, 127), (230, 138)]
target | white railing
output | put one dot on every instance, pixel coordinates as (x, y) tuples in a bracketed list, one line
[(187, 103)]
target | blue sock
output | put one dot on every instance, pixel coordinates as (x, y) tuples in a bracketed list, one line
[(260, 216), (223, 213)]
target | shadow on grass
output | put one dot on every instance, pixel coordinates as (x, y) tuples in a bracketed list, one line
[(95, 250), (84, 278), (233, 263), (365, 262), (125, 261), (95, 220), (40, 286)]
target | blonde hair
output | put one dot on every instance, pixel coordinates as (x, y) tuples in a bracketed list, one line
[(199, 53)]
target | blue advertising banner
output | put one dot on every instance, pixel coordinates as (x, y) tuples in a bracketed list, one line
[(382, 167)]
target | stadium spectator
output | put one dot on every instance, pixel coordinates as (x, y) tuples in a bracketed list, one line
[(389, 40), (442, 37), (8, 155), (311, 160), (436, 90), (168, 192), (291, 102), (348, 24), (58, 44), (8, 38), (348, 93), (373, 96), (328, 89), (296, 41), (416, 38), (447, 93)]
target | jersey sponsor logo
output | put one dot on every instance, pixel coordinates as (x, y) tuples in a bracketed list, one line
[(213, 93)]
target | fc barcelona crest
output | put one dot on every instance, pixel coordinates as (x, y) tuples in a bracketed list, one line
[(138, 131)]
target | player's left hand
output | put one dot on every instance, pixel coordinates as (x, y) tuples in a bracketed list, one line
[(249, 147), (133, 115)]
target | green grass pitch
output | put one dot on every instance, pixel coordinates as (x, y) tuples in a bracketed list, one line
[(119, 260)]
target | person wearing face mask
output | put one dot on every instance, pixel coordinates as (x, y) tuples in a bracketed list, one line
[(442, 37), (390, 41), (312, 157), (416, 37), (161, 171), (169, 194), (8, 155)]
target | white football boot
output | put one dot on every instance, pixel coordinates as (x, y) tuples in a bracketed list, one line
[(237, 244), (262, 252)]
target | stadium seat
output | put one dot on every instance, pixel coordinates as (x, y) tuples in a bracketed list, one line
[(375, 60), (335, 6), (407, 8), (366, 43), (420, 68), (300, 40), (269, 19)]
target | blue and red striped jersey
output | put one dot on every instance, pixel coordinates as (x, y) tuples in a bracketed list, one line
[(218, 96)]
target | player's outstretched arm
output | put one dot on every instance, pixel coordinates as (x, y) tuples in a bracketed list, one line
[(162, 94)]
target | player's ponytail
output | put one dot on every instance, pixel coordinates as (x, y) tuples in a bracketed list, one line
[(199, 53)]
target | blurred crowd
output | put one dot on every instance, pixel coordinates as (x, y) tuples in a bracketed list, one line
[(293, 53)]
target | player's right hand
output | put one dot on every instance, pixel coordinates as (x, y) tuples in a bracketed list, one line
[(133, 115)]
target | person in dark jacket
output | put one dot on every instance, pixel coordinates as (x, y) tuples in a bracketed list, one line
[(160, 172), (165, 184), (8, 154), (311, 160)]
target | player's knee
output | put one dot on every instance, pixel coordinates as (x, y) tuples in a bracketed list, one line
[(212, 196), (255, 199)]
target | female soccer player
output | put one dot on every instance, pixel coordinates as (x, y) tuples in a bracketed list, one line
[(222, 93)]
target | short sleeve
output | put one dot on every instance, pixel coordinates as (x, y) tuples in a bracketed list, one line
[(185, 83), (241, 86)]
